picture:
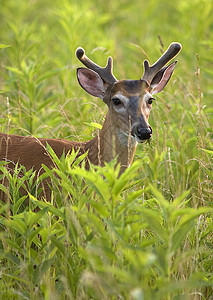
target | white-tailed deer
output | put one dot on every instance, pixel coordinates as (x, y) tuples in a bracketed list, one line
[(129, 104)]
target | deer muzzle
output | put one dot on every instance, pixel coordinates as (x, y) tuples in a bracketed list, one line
[(142, 133)]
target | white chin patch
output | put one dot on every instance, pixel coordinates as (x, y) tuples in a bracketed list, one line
[(139, 141), (127, 139)]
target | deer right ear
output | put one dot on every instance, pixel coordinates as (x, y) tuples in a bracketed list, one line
[(161, 78), (91, 82)]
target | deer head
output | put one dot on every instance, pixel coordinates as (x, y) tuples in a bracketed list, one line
[(129, 101)]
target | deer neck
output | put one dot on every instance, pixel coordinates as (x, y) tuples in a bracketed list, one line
[(111, 142)]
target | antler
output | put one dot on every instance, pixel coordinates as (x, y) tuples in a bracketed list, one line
[(105, 73), (151, 71)]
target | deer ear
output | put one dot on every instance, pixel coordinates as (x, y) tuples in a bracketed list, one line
[(91, 82), (161, 78)]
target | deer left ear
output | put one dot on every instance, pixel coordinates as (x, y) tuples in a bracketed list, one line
[(162, 78)]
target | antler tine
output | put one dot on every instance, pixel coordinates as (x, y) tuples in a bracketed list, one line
[(105, 73), (151, 71)]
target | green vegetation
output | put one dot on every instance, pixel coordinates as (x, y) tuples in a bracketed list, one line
[(148, 234)]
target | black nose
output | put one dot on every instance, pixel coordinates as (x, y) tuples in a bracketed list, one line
[(143, 133)]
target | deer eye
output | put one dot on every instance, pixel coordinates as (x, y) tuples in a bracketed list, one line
[(116, 101), (150, 100)]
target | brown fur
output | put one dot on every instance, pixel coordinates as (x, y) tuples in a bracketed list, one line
[(31, 152)]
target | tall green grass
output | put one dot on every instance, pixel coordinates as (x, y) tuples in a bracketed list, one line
[(147, 234)]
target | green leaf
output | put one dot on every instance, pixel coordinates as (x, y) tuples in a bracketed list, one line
[(102, 210), (125, 178), (4, 189), (98, 224), (35, 217), (186, 224), (32, 235), (16, 224), (59, 245), (96, 180), (154, 220), (16, 278), (180, 234), (17, 204), (47, 75), (180, 200), (13, 258), (210, 152), (45, 205), (194, 213), (74, 159), (2, 46), (94, 124), (45, 266), (14, 70), (164, 204)]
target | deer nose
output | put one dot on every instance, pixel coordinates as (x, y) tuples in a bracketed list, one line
[(143, 133)]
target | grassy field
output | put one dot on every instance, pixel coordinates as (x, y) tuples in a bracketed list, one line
[(147, 234)]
